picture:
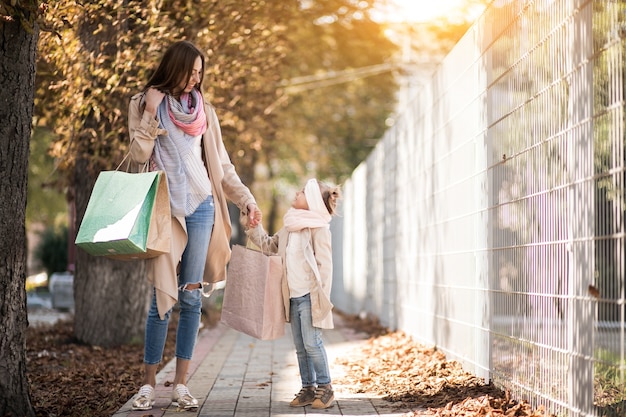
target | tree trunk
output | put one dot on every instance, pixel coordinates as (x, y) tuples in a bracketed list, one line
[(111, 297), (17, 79)]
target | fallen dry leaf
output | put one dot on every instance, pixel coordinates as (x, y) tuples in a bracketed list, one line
[(60, 371), (410, 375)]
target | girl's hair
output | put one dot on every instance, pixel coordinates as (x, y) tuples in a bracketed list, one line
[(330, 195), (176, 67)]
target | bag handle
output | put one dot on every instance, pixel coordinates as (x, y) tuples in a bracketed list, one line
[(144, 168), (262, 248)]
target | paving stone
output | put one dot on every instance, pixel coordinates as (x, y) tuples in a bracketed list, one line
[(235, 375)]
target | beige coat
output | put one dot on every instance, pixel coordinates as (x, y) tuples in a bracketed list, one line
[(225, 183), (318, 258)]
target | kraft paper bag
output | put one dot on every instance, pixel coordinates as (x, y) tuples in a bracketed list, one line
[(127, 217), (253, 300)]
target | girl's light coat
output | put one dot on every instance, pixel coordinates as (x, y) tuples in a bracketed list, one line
[(225, 183), (317, 256)]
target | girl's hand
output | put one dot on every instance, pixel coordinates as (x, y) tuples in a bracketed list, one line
[(153, 97), (254, 215)]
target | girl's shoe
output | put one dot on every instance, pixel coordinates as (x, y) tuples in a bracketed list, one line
[(324, 397), (304, 397), (145, 398), (182, 398)]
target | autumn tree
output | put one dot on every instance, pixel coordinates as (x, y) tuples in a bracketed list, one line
[(246, 46), (101, 52), (338, 88), (341, 79), (340, 83), (90, 65), (18, 47), (102, 55), (301, 87)]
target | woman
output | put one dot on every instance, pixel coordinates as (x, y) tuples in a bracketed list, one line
[(173, 129)]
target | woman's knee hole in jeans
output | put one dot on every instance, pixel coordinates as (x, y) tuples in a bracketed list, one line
[(190, 295), (190, 286)]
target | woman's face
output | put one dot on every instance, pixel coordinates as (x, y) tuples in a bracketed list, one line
[(300, 201), (194, 78)]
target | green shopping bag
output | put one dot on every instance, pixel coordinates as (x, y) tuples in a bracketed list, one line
[(128, 216)]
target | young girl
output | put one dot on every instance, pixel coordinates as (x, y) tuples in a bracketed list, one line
[(304, 243)]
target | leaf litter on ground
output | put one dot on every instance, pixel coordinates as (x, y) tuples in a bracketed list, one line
[(410, 375), (71, 379)]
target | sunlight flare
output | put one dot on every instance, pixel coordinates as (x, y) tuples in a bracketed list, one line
[(415, 10)]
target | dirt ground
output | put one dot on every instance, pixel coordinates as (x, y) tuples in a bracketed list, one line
[(70, 379)]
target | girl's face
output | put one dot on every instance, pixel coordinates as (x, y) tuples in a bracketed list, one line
[(300, 201), (194, 78)]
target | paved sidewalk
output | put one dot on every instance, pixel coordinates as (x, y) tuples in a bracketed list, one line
[(235, 375)]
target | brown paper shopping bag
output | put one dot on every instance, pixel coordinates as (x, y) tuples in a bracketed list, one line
[(253, 301)]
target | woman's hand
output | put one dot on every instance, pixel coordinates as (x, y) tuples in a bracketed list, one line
[(254, 215), (153, 98)]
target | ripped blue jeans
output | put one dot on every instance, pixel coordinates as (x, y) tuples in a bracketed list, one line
[(199, 227)]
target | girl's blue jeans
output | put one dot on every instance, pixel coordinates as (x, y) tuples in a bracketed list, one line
[(199, 227), (307, 339)]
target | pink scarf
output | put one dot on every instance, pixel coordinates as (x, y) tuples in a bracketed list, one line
[(188, 114), (297, 219)]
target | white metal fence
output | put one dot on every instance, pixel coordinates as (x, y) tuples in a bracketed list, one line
[(489, 220)]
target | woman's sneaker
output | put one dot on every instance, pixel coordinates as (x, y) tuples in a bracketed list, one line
[(324, 396), (304, 397), (182, 398), (145, 398)]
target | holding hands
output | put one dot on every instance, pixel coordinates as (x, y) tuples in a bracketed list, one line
[(254, 216)]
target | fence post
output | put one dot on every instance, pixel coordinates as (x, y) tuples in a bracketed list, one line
[(580, 320)]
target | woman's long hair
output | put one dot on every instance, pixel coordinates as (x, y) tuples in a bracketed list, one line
[(175, 68)]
